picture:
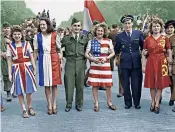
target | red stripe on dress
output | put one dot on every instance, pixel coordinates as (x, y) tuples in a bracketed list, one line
[(12, 49), (25, 48), (101, 68), (21, 67), (97, 84), (104, 45), (55, 62), (31, 74), (99, 76)]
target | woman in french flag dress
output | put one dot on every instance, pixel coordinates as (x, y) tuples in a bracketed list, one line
[(99, 51), (21, 67), (45, 46)]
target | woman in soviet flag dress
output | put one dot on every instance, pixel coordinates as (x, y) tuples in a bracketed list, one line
[(156, 71)]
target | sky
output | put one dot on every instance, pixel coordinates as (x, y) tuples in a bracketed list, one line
[(61, 10)]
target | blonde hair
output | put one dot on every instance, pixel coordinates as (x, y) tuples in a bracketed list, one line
[(105, 28), (156, 21)]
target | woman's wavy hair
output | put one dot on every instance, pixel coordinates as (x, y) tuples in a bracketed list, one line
[(105, 28), (156, 21), (17, 28), (50, 28)]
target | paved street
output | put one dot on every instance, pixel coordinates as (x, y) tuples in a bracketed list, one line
[(105, 120)]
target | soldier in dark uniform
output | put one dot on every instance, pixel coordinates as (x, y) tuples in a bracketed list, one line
[(5, 39), (75, 45), (170, 30), (129, 43)]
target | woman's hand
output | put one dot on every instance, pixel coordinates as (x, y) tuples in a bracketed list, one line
[(103, 60), (34, 71), (95, 60), (145, 52), (10, 78)]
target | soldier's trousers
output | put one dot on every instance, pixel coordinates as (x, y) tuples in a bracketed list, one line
[(172, 87), (7, 83), (133, 77), (74, 78)]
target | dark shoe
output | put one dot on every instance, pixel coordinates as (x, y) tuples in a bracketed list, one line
[(127, 107), (112, 107), (152, 108), (157, 109), (173, 109), (67, 109), (102, 88), (138, 107), (54, 111), (171, 103), (86, 85), (14, 96), (9, 96), (2, 109), (119, 95), (78, 108)]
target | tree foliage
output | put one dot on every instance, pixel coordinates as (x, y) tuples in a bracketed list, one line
[(15, 12), (114, 10)]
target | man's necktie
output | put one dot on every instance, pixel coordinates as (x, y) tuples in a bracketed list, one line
[(76, 37)]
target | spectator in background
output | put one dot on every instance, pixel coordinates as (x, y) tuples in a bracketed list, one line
[(54, 23), (48, 15), (29, 37), (38, 16), (67, 31), (44, 13)]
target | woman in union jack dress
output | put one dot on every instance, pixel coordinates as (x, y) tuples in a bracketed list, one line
[(99, 51), (21, 70)]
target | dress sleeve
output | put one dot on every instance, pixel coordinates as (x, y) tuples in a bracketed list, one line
[(29, 48), (35, 42), (8, 52), (167, 43), (89, 45), (111, 45)]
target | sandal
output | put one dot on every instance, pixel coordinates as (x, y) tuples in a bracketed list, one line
[(54, 111), (152, 108), (25, 114), (96, 108), (49, 111), (31, 111), (157, 109), (112, 107)]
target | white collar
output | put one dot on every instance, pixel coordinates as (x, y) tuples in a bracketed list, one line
[(73, 34), (130, 32)]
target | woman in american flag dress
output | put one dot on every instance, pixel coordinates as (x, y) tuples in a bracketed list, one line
[(99, 51), (21, 70)]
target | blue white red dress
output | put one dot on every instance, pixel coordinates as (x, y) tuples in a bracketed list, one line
[(22, 69), (100, 74), (48, 59)]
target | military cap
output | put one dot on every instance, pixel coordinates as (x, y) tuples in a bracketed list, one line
[(6, 24), (170, 22), (126, 17), (95, 22), (74, 20)]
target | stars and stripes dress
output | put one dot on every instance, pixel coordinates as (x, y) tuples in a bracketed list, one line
[(100, 74), (48, 59), (22, 70)]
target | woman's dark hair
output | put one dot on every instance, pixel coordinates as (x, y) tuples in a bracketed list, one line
[(49, 25), (17, 28)]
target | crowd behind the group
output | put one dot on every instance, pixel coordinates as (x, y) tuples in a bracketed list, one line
[(148, 48)]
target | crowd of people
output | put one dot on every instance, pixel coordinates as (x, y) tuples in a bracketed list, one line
[(149, 49)]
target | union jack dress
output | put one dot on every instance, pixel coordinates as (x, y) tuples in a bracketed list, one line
[(100, 74), (22, 70)]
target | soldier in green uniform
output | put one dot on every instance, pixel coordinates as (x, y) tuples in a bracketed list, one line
[(5, 38), (75, 45)]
